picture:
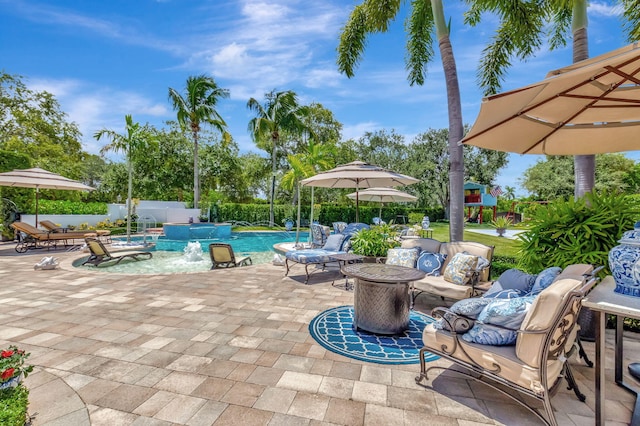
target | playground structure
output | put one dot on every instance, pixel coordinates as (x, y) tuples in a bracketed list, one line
[(511, 214), (476, 195)]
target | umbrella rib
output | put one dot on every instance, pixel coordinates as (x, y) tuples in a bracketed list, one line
[(623, 74), (609, 69), (560, 125)]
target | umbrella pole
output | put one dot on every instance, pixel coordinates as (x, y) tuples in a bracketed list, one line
[(37, 192), (357, 204), (380, 211), (311, 218), (298, 221)]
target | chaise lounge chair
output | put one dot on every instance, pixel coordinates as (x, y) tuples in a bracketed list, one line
[(222, 256), (100, 254), (52, 227), (30, 237)]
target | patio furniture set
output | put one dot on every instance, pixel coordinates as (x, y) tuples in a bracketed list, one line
[(518, 336)]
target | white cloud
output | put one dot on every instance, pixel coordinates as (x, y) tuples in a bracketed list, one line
[(604, 9), (93, 108), (357, 130)]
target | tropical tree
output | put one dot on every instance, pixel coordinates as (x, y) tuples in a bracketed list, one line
[(131, 142), (522, 25), (425, 18), (509, 192), (279, 112), (197, 106)]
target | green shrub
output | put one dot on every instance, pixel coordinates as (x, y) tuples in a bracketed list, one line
[(499, 264), (375, 241), (13, 406), (576, 231), (69, 207)]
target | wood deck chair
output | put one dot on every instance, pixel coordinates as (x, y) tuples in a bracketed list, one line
[(100, 254), (31, 237), (52, 227), (222, 256)]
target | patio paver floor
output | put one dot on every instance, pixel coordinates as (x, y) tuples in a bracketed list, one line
[(230, 347)]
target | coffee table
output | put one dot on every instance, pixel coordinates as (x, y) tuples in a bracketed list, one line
[(381, 301)]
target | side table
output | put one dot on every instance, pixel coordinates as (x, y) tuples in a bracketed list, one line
[(602, 301), (344, 259)]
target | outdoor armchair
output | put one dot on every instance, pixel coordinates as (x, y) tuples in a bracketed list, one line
[(536, 364)]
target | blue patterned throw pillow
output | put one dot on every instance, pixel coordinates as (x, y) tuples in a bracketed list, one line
[(470, 308), (544, 279), (402, 257), (458, 267), (507, 313), (431, 263)]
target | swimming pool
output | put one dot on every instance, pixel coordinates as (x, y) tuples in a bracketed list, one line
[(169, 257)]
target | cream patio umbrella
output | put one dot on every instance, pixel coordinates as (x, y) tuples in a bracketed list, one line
[(382, 195), (40, 179), (590, 107), (358, 174)]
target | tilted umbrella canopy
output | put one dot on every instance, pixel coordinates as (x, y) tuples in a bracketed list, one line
[(358, 174), (590, 107), (382, 195), (39, 178)]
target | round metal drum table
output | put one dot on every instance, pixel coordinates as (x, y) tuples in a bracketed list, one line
[(381, 298)]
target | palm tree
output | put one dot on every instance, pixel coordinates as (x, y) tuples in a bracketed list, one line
[(520, 34), (198, 105), (425, 18), (279, 112), (131, 142), (509, 192)]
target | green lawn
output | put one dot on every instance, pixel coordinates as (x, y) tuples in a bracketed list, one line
[(503, 246)]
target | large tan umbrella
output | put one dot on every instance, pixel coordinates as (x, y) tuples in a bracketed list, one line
[(382, 195), (40, 179), (590, 107), (358, 174)]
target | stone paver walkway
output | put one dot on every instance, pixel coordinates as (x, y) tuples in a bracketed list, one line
[(228, 347)]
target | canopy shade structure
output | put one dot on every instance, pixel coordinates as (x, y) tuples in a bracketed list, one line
[(382, 195), (358, 174), (39, 178), (590, 107)]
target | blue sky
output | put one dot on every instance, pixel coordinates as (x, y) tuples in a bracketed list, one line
[(105, 59)]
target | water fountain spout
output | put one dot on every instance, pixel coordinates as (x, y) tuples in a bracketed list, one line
[(193, 251)]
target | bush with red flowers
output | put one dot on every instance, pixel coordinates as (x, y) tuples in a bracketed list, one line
[(12, 364)]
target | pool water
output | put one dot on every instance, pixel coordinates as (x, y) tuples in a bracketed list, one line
[(169, 257)]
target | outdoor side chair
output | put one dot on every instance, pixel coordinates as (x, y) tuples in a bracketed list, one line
[(222, 256), (100, 254)]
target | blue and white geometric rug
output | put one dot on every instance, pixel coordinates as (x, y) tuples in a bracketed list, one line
[(333, 330)]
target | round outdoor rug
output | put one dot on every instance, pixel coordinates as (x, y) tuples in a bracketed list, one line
[(333, 330)]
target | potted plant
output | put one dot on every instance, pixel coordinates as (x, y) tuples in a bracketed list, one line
[(373, 243), (14, 396), (501, 223)]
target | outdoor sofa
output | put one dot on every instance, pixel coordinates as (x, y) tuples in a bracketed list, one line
[(521, 343), (470, 277)]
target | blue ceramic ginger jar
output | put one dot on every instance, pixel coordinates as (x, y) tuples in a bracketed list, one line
[(624, 262)]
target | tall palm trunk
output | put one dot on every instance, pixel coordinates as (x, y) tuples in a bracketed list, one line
[(129, 196), (196, 172), (273, 181), (584, 165), (456, 167)]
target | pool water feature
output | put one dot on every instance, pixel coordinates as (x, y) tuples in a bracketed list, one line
[(169, 256)]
